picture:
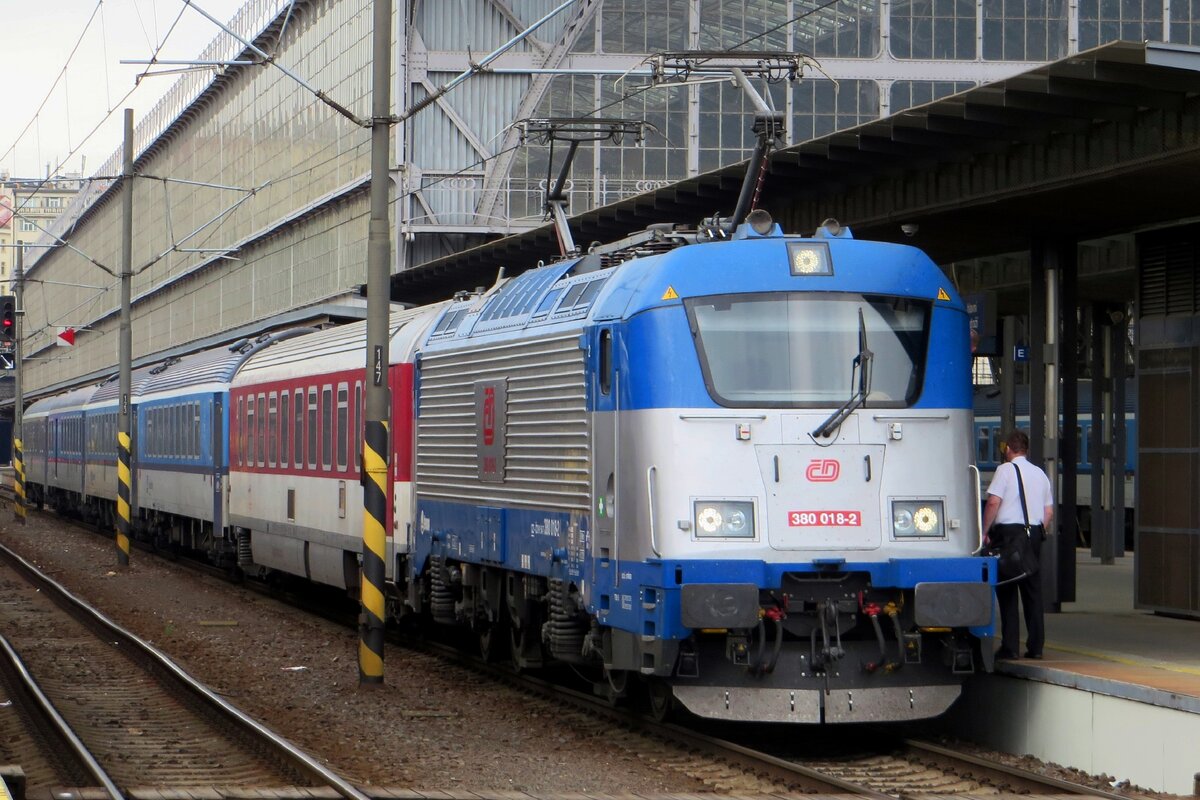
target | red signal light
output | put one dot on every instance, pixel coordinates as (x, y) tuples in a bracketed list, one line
[(8, 308)]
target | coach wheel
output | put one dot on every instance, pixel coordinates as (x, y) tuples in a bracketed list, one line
[(660, 698)]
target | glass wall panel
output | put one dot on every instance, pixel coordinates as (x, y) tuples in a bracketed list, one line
[(907, 94), (743, 25), (1102, 21), (1185, 21), (628, 169), (1024, 30), (841, 29), (821, 107), (636, 26), (933, 29)]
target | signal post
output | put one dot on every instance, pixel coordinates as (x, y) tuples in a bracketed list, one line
[(10, 353)]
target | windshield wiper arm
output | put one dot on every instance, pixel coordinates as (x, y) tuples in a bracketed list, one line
[(858, 399)]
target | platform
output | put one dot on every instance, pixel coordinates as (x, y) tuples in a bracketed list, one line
[(1118, 692)]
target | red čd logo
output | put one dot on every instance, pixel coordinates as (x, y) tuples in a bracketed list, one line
[(489, 416), (823, 470)]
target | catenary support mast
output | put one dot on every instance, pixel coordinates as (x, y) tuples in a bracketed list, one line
[(18, 392), (125, 352), (375, 449)]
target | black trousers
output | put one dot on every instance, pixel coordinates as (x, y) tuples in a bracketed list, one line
[(1029, 589)]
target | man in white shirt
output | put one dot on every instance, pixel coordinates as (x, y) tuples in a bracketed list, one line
[(1003, 518)]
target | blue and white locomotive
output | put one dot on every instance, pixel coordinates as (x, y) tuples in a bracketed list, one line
[(735, 470), (733, 473)]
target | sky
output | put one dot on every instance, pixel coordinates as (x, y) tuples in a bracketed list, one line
[(80, 44)]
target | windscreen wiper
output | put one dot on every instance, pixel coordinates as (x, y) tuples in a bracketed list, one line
[(862, 364)]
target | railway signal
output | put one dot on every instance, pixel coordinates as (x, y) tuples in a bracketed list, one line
[(8, 323)]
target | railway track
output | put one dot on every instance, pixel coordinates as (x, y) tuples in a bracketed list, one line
[(109, 710), (750, 762)]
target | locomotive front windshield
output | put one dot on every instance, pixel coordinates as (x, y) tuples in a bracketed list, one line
[(799, 350)]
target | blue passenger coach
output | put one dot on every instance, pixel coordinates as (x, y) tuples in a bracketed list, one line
[(735, 471)]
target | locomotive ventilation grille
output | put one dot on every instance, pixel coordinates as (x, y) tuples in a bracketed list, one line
[(545, 416)]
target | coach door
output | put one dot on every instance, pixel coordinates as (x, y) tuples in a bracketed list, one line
[(55, 446), (216, 445)]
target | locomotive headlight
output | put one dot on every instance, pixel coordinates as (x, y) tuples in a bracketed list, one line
[(724, 519), (926, 520), (918, 519), (709, 520)]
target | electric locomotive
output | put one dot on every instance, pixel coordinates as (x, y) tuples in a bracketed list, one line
[(734, 471)]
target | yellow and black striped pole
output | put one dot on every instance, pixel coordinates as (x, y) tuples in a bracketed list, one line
[(375, 470), (124, 486), (18, 459), (18, 482), (125, 353), (379, 291)]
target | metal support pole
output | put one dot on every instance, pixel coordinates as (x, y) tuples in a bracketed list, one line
[(1105, 464), (1051, 557), (376, 449), (1096, 440), (1008, 378), (1068, 359), (18, 392), (125, 354), (1119, 454), (1036, 331)]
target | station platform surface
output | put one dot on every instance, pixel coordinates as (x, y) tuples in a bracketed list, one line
[(1117, 693), (1102, 639)]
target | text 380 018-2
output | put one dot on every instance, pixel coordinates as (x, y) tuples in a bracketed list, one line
[(825, 519)]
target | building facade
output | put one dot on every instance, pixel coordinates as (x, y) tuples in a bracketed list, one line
[(251, 195), (28, 207)]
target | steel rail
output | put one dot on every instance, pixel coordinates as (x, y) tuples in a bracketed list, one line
[(60, 727), (284, 749)]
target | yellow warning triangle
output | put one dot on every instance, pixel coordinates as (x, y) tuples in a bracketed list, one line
[(670, 294), (942, 295)]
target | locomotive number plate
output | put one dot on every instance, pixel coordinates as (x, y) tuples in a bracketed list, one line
[(825, 519)]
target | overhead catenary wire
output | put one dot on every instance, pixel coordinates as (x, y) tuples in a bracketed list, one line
[(206, 232)]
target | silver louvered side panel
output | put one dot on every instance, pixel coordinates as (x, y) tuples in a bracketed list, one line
[(547, 454)]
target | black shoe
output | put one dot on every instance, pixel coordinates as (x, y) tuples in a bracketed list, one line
[(1003, 654), (1029, 654)]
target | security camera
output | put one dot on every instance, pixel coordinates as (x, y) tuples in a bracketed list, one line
[(910, 228)]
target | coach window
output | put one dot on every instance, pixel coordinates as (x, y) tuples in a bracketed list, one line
[(285, 433), (312, 427), (250, 451), (273, 429), (238, 440), (997, 456), (343, 424), (261, 430), (326, 427), (358, 425), (298, 430)]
